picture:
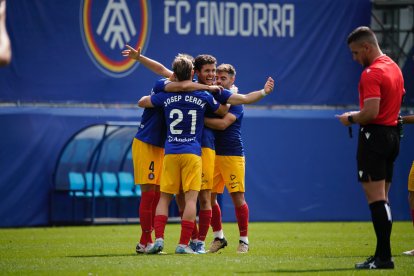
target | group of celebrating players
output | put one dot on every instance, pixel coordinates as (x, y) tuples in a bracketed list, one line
[(189, 145)]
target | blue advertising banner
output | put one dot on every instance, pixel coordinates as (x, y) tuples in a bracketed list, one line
[(71, 50)]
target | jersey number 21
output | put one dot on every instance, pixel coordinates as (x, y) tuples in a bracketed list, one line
[(179, 117)]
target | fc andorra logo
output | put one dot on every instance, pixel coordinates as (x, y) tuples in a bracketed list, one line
[(107, 25)]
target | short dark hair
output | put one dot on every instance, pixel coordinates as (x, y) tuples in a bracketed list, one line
[(182, 67), (362, 34), (201, 60), (227, 68)]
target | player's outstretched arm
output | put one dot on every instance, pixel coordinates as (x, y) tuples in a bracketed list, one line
[(220, 123), (145, 102), (5, 48), (160, 69), (151, 64), (252, 97), (185, 86), (409, 119)]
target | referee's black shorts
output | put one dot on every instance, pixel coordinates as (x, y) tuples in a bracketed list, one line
[(378, 147)]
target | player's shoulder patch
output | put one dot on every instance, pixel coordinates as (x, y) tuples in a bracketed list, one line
[(165, 81), (160, 85)]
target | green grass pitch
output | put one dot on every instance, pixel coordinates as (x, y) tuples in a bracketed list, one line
[(328, 248)]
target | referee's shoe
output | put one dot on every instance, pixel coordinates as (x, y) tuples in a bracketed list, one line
[(375, 263)]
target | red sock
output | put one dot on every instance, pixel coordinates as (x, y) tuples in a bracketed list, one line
[(146, 216), (242, 215), (412, 215), (216, 218), (186, 229), (159, 224), (204, 219), (154, 205), (194, 234)]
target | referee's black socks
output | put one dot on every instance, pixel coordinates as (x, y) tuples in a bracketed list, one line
[(382, 220)]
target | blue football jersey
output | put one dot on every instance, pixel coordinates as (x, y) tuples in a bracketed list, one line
[(222, 96), (152, 129), (184, 116), (208, 133), (228, 142), (208, 138)]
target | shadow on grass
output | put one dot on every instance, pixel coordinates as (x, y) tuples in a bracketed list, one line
[(117, 255), (103, 255), (349, 257), (297, 270)]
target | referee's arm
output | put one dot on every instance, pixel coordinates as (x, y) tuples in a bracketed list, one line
[(368, 113)]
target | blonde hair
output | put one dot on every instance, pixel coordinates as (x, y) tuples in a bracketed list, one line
[(182, 67)]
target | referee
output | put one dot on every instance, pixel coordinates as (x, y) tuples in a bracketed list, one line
[(381, 89)]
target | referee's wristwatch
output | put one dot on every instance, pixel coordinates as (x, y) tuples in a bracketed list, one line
[(351, 119)]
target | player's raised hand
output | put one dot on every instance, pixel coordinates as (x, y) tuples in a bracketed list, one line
[(131, 52), (269, 85), (234, 89)]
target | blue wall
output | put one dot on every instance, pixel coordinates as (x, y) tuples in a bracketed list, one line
[(300, 165), (302, 44)]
